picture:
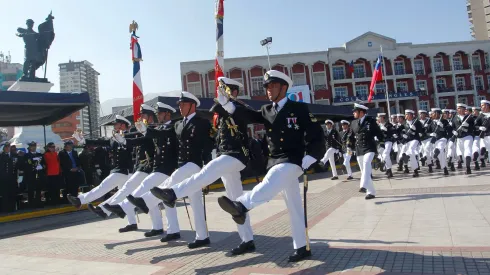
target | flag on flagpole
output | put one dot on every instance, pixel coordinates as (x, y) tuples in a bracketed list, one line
[(137, 85), (351, 66), (220, 54), (377, 76)]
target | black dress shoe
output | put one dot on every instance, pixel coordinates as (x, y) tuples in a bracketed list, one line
[(350, 178), (468, 171), (170, 237), (451, 166), (446, 173), (128, 228), (438, 164), (406, 171), (234, 208), (299, 254), (153, 233), (483, 165), (389, 173), (74, 201), (138, 202), (199, 243), (415, 173), (362, 190), (430, 168), (370, 197), (115, 209), (335, 178), (97, 211), (167, 195), (460, 165), (243, 248), (477, 166)]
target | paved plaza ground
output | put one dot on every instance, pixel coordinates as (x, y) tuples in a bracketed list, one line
[(432, 224)]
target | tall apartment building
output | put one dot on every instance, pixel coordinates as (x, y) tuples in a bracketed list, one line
[(81, 77), (9, 72), (479, 17)]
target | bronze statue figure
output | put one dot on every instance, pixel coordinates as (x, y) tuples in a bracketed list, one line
[(36, 47)]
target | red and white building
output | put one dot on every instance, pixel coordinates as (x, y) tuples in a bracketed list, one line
[(419, 76)]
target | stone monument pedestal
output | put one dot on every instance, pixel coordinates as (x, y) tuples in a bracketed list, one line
[(25, 134)]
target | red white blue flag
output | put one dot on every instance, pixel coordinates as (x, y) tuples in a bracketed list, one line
[(137, 85), (220, 54), (377, 76)]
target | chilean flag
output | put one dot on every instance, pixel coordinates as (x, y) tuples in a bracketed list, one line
[(377, 76), (219, 61), (137, 85)]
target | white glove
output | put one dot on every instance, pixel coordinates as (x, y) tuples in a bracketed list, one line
[(450, 123), (36, 158), (405, 136), (222, 99), (20, 179), (77, 135), (376, 138), (439, 123), (383, 128), (307, 162), (99, 172), (413, 127), (39, 167), (455, 133), (395, 135), (140, 126), (482, 128), (81, 142), (120, 139), (433, 135), (465, 124)]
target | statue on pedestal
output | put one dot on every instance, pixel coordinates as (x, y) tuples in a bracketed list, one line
[(36, 47)]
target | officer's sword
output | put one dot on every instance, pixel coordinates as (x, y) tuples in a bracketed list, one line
[(204, 192), (188, 216), (305, 191)]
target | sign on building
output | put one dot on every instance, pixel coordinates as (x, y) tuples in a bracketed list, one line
[(299, 93)]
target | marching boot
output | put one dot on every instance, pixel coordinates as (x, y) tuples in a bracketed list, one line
[(138, 202), (438, 164), (416, 173), (362, 190), (369, 197), (446, 172), (389, 173), (406, 171), (483, 165), (468, 165), (167, 195), (235, 208), (198, 243), (422, 160), (74, 201), (299, 254), (153, 232), (451, 165), (128, 228), (430, 168), (400, 166), (243, 248), (115, 209), (475, 156), (460, 162), (335, 178), (97, 211), (477, 166), (350, 178), (170, 237)]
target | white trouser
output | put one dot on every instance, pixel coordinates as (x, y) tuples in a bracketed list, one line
[(347, 164), (463, 146), (475, 148), (196, 202), (112, 181), (132, 183), (281, 177), (395, 147), (441, 145), (330, 157), (154, 179), (485, 142), (426, 149), (228, 169), (411, 150), (402, 148), (366, 170), (451, 149), (385, 155)]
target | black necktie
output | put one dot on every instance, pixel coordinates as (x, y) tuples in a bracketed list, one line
[(276, 107), (185, 121)]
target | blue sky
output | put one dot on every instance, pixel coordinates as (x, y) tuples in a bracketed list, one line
[(184, 30)]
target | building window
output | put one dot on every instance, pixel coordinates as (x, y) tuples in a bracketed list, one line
[(487, 61), (340, 91), (401, 87), (424, 105), (194, 88), (212, 87), (457, 63), (399, 67), (338, 72), (419, 66), (443, 103), (241, 91), (380, 88), (320, 81), (421, 86), (359, 71), (463, 100), (257, 86), (361, 91), (476, 62), (460, 85), (299, 79), (479, 82), (438, 65), (488, 79), (441, 83)]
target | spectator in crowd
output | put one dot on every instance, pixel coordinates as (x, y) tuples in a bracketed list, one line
[(34, 174), (8, 180), (86, 162), (53, 175), (70, 168)]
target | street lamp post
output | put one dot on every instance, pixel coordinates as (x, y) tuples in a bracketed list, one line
[(266, 42)]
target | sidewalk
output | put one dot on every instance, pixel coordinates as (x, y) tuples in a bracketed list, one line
[(431, 224)]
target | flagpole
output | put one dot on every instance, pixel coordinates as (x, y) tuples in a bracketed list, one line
[(386, 82)]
